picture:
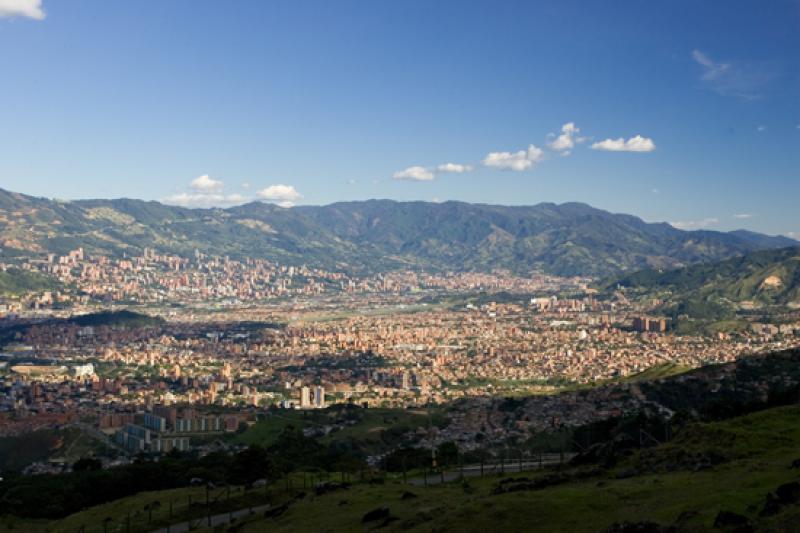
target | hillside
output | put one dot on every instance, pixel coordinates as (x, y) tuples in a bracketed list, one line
[(765, 277), (735, 475), (14, 282), (374, 235)]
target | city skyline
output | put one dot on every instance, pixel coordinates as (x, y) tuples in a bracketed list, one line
[(683, 113)]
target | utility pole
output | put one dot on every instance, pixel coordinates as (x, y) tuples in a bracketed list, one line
[(208, 504)]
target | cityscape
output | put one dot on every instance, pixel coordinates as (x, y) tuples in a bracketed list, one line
[(408, 266)]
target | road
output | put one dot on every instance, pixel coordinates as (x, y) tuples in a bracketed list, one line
[(216, 520), (432, 479), (488, 469)]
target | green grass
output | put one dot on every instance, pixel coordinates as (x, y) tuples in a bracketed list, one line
[(15, 282), (67, 444), (369, 427), (265, 432), (662, 371), (757, 451)]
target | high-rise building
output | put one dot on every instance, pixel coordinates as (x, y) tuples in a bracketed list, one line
[(319, 397), (305, 397)]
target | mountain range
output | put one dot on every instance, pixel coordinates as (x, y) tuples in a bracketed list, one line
[(765, 277), (372, 236)]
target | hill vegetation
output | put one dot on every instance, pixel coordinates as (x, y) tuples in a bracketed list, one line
[(118, 319), (738, 474), (375, 235), (16, 282), (768, 277), (719, 296)]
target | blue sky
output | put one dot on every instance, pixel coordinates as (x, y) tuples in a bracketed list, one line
[(678, 111)]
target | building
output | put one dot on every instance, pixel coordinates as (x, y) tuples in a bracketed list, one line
[(319, 397), (305, 398), (646, 324), (82, 371)]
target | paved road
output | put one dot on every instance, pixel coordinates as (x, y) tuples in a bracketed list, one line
[(488, 469), (216, 520), (433, 479)]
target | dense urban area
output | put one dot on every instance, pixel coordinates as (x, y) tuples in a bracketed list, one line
[(150, 353)]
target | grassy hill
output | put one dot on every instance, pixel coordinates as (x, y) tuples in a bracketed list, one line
[(673, 485), (716, 296), (374, 235), (769, 276), (15, 282), (118, 319)]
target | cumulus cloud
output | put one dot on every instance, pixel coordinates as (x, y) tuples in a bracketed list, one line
[(415, 173), (732, 78), (419, 173), (205, 191), (205, 183), (516, 161), (22, 8), (454, 168), (742, 216), (567, 140), (199, 199), (695, 224), (283, 194), (793, 235), (634, 144)]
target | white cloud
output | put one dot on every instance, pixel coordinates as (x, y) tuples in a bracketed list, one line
[(205, 183), (205, 192), (517, 161), (285, 194), (454, 168), (22, 8), (200, 199), (418, 173), (761, 128), (730, 78), (634, 144), (793, 235), (414, 174), (743, 216), (567, 140), (711, 69), (695, 224)]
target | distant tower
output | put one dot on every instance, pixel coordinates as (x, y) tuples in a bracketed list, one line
[(305, 397), (319, 397)]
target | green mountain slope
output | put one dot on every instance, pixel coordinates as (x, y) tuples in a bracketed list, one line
[(751, 481), (15, 282), (375, 235), (767, 277)]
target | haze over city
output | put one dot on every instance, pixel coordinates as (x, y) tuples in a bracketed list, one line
[(348, 265)]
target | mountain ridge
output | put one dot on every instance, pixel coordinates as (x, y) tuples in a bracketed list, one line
[(572, 238)]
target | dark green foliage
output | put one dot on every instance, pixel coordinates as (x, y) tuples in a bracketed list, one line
[(15, 282), (404, 459), (86, 463), (55, 496), (124, 319), (735, 280), (376, 235)]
